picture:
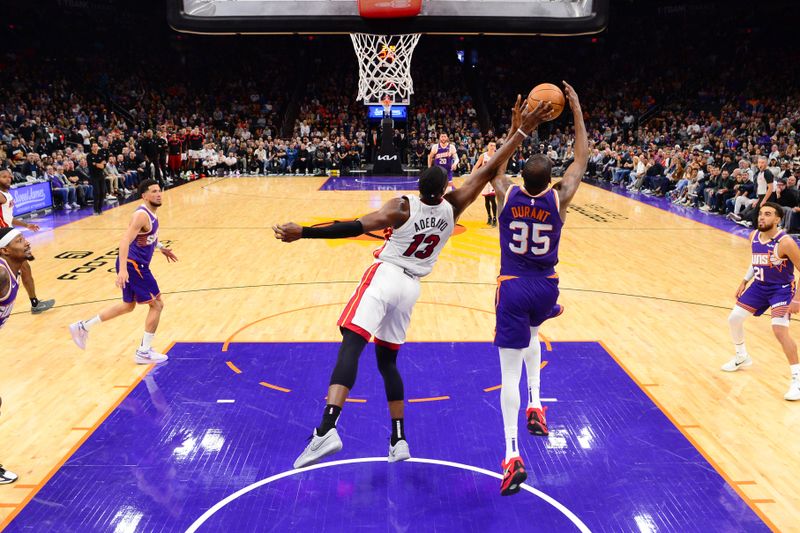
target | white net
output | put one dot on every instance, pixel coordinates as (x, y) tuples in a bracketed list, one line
[(384, 67)]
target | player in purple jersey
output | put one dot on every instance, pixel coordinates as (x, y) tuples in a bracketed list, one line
[(444, 155), (773, 259), (134, 277), (530, 230), (15, 251)]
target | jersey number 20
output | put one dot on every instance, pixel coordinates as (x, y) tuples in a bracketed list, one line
[(527, 237), (430, 243)]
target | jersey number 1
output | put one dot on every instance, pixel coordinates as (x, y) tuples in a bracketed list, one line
[(430, 242)]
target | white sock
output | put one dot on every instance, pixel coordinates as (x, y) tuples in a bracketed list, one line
[(511, 443), (795, 370), (89, 324), (511, 368), (533, 367), (147, 340)]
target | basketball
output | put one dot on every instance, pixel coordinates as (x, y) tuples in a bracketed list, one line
[(547, 92)]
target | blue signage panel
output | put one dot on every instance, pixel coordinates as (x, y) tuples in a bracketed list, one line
[(31, 197), (399, 112)]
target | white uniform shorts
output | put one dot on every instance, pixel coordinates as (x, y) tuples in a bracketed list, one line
[(195, 154), (381, 304)]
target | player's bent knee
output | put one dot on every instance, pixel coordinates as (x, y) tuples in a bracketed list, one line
[(738, 315)]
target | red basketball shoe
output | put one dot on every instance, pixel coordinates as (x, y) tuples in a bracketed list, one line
[(537, 424), (513, 476)]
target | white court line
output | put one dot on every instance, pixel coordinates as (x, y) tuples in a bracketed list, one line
[(219, 505), (226, 401), (548, 400)]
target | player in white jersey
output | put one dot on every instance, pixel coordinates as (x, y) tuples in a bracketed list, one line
[(418, 229), (7, 220), (489, 196)]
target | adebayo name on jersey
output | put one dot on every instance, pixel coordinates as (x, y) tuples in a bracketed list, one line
[(429, 223)]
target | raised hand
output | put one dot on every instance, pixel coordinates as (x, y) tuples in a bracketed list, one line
[(516, 114), (531, 118), (572, 96)]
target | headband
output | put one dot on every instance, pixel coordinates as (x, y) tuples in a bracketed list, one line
[(10, 236)]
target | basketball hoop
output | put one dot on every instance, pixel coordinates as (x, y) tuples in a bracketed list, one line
[(384, 68)]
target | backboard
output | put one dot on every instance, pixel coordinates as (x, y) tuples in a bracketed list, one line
[(462, 17)]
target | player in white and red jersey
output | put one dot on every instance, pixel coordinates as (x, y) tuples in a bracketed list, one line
[(418, 229)]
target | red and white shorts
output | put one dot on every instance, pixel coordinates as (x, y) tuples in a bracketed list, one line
[(381, 304)]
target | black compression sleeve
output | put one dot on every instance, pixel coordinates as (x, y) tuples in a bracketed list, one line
[(337, 230)]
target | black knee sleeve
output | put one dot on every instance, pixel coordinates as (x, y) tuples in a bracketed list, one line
[(344, 373), (387, 364)]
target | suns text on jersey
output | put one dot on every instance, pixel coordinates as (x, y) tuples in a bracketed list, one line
[(766, 259)]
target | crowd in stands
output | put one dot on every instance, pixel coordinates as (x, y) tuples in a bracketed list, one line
[(177, 124), (655, 126)]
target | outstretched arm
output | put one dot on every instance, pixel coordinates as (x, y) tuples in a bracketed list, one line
[(21, 223), (500, 182), (572, 177), (462, 197), (393, 214)]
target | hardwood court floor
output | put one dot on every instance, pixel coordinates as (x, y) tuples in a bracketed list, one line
[(655, 288)]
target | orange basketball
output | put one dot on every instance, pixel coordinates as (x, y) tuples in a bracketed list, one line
[(547, 92)]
